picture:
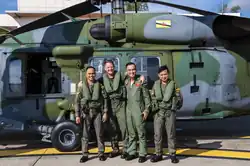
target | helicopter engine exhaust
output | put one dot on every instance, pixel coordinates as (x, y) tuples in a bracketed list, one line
[(231, 28)]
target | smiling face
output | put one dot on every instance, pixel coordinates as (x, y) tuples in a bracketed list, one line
[(109, 68), (131, 70), (163, 75), (90, 74)]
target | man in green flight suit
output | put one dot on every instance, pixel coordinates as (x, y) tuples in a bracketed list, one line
[(91, 108), (164, 106), (138, 105), (113, 82)]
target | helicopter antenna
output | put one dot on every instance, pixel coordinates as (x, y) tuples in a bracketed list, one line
[(135, 2), (112, 7), (117, 7), (101, 10)]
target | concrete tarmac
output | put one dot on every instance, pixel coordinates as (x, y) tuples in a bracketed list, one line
[(213, 143), (203, 152), (74, 160)]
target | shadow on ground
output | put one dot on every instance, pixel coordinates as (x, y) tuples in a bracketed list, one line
[(233, 128)]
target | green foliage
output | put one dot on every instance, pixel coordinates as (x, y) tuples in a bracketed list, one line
[(235, 9)]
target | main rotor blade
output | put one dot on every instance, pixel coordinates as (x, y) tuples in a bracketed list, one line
[(57, 17), (3, 30), (190, 9)]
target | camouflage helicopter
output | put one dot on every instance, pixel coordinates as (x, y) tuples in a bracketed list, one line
[(42, 62)]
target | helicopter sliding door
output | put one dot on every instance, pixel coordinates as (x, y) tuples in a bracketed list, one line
[(44, 86), (196, 73), (33, 87)]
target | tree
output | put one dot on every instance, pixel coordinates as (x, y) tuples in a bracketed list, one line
[(141, 6), (235, 9)]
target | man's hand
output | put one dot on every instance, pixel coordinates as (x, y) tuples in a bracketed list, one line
[(142, 78), (144, 115), (78, 120), (105, 117)]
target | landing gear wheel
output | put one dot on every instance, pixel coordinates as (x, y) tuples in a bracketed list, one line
[(66, 136)]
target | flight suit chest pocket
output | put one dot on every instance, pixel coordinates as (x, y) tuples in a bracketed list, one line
[(138, 94)]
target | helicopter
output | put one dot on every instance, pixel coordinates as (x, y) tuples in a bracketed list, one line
[(43, 61)]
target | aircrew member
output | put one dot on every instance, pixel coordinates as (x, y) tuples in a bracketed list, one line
[(91, 106), (164, 102), (113, 82), (138, 105)]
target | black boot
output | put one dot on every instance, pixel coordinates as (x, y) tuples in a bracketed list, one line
[(84, 159), (102, 157), (130, 157), (124, 155), (114, 153), (173, 158), (142, 159), (156, 158)]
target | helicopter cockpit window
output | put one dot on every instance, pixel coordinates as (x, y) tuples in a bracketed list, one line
[(147, 66), (15, 75), (97, 63)]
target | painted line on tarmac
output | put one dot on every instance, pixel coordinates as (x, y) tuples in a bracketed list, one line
[(194, 152), (245, 137), (215, 137)]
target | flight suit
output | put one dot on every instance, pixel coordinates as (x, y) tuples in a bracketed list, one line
[(164, 106), (117, 113), (91, 103), (138, 100)]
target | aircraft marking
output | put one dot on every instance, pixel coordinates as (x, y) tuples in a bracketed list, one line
[(163, 24)]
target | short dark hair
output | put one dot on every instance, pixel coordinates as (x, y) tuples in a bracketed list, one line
[(130, 63), (90, 67), (108, 61), (162, 68)]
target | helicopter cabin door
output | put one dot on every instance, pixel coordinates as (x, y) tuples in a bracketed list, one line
[(14, 77)]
